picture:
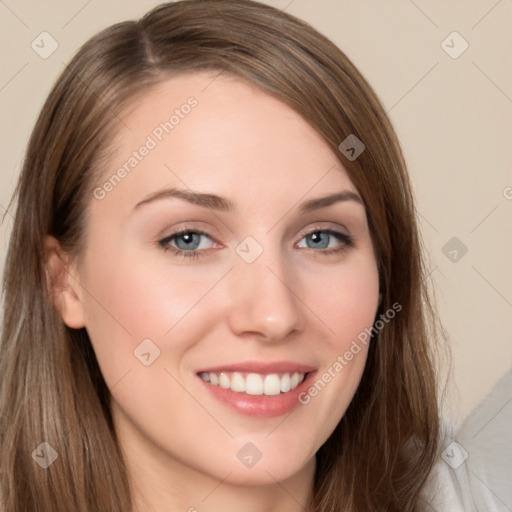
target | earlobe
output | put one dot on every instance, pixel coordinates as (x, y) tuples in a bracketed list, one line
[(63, 285)]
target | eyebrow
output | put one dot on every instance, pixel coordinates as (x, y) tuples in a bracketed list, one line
[(215, 202), (210, 201)]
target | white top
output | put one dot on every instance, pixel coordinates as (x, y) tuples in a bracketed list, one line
[(474, 473), (448, 489)]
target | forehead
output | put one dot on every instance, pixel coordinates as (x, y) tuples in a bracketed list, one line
[(218, 133)]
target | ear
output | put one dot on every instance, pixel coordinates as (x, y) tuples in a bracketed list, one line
[(63, 284)]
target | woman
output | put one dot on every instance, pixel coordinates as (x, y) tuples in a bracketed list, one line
[(214, 286)]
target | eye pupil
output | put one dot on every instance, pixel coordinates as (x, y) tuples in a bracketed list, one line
[(319, 239), (188, 241)]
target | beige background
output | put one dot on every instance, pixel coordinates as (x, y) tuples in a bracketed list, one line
[(453, 117)]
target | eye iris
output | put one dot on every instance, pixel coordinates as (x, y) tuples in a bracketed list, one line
[(318, 240), (188, 241)]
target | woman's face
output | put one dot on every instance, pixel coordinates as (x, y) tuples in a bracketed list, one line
[(214, 263)]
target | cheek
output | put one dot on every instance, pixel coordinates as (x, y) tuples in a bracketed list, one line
[(128, 301), (345, 298)]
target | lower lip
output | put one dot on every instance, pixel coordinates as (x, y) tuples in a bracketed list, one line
[(260, 406)]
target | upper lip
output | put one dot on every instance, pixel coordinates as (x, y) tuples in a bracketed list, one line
[(263, 367)]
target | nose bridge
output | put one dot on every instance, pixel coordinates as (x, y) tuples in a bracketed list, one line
[(263, 299)]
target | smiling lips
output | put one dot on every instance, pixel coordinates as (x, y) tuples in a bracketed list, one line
[(258, 389), (254, 383)]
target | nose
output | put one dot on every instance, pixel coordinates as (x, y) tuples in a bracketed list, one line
[(263, 302)]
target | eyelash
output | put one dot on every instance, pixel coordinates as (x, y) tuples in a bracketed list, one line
[(347, 243)]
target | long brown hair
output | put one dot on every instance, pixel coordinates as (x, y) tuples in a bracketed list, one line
[(380, 454)]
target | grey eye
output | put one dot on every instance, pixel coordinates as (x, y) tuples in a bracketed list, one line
[(318, 240), (187, 241)]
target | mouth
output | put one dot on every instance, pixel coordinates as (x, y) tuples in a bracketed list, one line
[(254, 383), (261, 390)]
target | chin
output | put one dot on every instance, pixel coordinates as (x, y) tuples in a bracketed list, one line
[(267, 473), (263, 462)]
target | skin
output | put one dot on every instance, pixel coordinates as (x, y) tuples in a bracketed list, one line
[(294, 302)]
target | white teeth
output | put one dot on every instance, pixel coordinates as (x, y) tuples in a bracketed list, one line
[(286, 383), (272, 385), (224, 381), (254, 383), (237, 382)]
